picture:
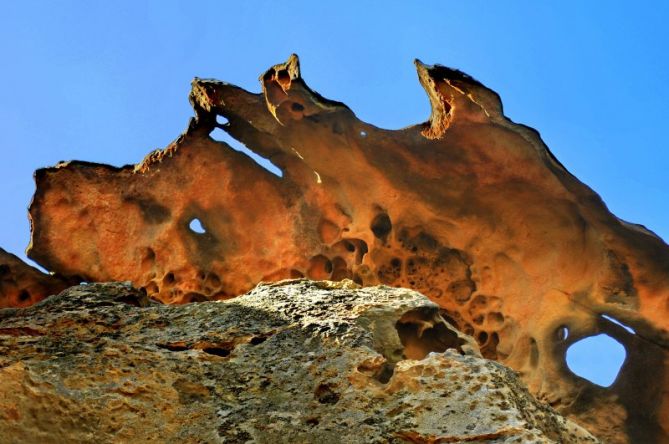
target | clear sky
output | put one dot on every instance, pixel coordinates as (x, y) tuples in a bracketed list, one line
[(108, 81)]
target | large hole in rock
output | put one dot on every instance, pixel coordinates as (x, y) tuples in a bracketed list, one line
[(220, 135), (422, 331), (195, 226), (597, 359), (381, 226)]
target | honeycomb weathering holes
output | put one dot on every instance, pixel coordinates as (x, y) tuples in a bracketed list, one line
[(422, 331), (469, 209), (381, 226)]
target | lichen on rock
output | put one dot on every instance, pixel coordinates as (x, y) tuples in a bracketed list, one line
[(296, 361)]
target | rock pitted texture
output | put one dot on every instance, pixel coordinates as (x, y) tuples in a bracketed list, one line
[(469, 208), (22, 285), (294, 362)]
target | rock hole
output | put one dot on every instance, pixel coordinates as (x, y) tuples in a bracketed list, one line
[(221, 135), (296, 274), (615, 321), (217, 351), (312, 421), (268, 75), (195, 225), (132, 299), (483, 337), (363, 133), (148, 258), (422, 331), (361, 250), (283, 78), (534, 352), (340, 269), (213, 279), (447, 106), (151, 288), (489, 350), (175, 347), (562, 333), (596, 358), (381, 226), (169, 278), (296, 107), (257, 340), (385, 373), (320, 267), (24, 296), (479, 301), (326, 395)]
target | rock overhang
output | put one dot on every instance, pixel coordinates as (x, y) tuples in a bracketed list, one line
[(469, 208)]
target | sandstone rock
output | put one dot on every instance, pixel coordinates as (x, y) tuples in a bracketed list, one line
[(22, 285), (469, 208), (293, 362)]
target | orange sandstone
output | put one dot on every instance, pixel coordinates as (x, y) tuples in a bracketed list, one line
[(469, 208)]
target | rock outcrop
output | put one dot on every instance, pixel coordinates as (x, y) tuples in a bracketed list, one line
[(22, 285), (292, 362), (469, 208)]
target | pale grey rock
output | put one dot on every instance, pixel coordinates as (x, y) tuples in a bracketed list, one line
[(290, 362)]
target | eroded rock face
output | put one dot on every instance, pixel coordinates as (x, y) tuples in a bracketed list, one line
[(469, 208), (291, 362), (22, 285)]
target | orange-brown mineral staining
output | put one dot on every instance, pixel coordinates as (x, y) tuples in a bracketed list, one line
[(468, 208), (22, 285)]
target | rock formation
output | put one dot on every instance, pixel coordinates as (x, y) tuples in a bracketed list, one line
[(295, 362), (469, 208), (22, 285)]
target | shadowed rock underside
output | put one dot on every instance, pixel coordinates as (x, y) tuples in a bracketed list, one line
[(469, 208), (22, 285)]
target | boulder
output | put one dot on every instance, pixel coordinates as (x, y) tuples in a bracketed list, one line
[(290, 362)]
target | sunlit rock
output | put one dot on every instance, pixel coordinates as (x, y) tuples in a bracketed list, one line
[(295, 362), (468, 208)]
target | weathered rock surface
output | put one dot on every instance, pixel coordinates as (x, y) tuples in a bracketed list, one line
[(469, 208), (22, 285), (293, 362)]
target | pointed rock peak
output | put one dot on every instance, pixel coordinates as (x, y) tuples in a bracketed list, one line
[(453, 93), (283, 74), (441, 116), (283, 83)]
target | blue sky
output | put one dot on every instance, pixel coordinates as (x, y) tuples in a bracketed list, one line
[(108, 81)]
